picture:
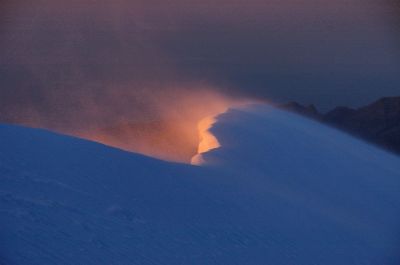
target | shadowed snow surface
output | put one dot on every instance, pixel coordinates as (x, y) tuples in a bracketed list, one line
[(281, 189)]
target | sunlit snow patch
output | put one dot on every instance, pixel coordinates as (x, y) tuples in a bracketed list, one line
[(207, 140)]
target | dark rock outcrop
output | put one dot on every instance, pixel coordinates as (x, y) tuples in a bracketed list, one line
[(378, 122)]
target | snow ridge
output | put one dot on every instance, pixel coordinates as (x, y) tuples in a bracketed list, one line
[(280, 189)]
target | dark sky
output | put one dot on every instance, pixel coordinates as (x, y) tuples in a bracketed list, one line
[(59, 57)]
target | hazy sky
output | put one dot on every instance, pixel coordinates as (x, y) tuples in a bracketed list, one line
[(58, 56)]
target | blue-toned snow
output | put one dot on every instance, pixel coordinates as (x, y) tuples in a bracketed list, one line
[(281, 190)]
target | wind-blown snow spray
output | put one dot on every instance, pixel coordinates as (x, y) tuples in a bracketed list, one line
[(178, 132)]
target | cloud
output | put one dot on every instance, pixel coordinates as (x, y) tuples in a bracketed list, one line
[(59, 57)]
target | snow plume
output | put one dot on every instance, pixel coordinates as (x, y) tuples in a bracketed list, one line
[(171, 133), (161, 122), (98, 71)]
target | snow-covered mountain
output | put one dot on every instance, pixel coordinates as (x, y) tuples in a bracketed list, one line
[(280, 189)]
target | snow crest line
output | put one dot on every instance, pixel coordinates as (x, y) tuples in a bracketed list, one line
[(207, 141)]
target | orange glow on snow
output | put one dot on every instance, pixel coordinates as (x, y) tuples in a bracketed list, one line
[(207, 140)]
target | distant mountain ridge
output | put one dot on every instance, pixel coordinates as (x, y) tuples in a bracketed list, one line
[(378, 122)]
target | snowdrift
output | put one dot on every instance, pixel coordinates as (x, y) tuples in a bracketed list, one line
[(280, 189)]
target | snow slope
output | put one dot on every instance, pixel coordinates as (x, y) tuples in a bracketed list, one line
[(281, 189)]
